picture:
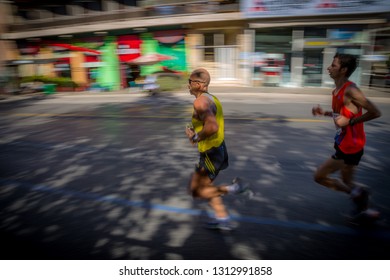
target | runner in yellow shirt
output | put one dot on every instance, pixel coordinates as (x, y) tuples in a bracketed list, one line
[(207, 131)]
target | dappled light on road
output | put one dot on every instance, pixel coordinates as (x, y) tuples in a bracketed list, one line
[(109, 181)]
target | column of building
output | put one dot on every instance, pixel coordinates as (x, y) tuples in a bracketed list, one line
[(297, 57), (8, 48)]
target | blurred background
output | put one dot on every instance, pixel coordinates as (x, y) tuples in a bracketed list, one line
[(104, 176), (79, 45)]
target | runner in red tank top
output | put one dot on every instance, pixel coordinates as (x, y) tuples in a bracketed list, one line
[(351, 138), (348, 103)]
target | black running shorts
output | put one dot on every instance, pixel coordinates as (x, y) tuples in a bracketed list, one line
[(350, 159), (213, 161)]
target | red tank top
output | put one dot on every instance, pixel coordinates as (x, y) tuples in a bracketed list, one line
[(350, 139)]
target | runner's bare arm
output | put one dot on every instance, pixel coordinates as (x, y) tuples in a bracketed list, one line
[(359, 100), (206, 114)]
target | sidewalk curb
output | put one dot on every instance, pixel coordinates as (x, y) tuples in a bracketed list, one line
[(234, 91)]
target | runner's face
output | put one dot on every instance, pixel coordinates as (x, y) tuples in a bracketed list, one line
[(190, 85), (194, 84), (334, 69)]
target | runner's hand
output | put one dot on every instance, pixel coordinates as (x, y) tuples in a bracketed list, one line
[(341, 121), (190, 134), (317, 111)]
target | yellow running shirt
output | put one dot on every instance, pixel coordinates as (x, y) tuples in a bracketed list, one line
[(216, 139)]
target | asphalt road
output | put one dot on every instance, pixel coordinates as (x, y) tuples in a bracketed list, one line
[(105, 177)]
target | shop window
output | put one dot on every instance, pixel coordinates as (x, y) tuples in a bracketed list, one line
[(312, 67), (272, 60), (131, 3), (209, 47), (95, 6), (59, 10), (274, 40), (29, 14), (315, 32), (22, 14)]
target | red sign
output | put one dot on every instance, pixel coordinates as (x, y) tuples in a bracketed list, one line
[(128, 47)]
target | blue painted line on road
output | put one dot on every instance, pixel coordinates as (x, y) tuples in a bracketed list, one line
[(298, 225), (99, 198)]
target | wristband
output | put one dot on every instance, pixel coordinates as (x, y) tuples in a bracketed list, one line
[(195, 138), (352, 122), (328, 114)]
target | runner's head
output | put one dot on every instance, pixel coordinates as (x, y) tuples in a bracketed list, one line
[(200, 79), (347, 61)]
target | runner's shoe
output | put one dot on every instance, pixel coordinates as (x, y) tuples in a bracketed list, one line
[(366, 217), (360, 197), (223, 225), (239, 186)]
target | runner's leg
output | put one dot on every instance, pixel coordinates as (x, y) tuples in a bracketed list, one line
[(201, 186), (347, 172), (330, 166), (219, 208)]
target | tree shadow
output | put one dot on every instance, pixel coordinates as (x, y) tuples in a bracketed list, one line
[(111, 183)]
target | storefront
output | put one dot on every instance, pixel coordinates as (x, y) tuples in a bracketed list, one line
[(272, 60), (299, 56), (166, 42), (128, 48), (101, 62), (218, 49), (297, 51)]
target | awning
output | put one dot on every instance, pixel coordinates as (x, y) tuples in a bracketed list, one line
[(74, 48), (169, 36), (150, 59), (30, 61)]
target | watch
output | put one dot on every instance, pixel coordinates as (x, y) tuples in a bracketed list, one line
[(195, 138)]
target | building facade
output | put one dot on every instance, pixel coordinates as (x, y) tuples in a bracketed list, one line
[(295, 41), (249, 42)]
